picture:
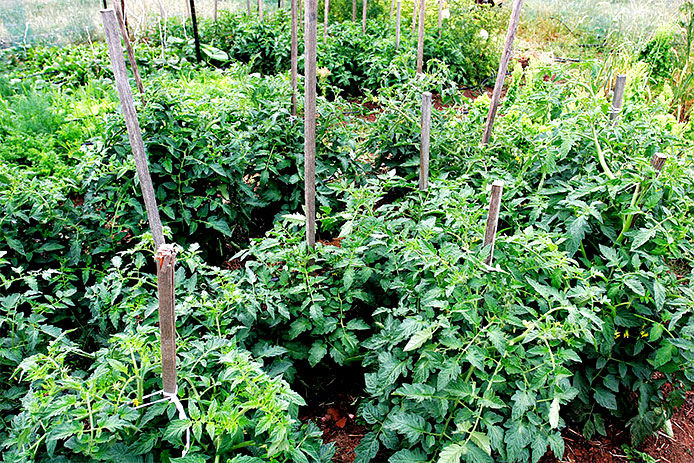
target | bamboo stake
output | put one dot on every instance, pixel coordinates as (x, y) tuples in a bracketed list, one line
[(398, 16), (131, 53), (133, 126), (414, 16), (493, 219), (196, 37), (310, 36), (420, 39), (363, 17), (260, 9), (325, 19), (166, 264), (354, 10), (503, 68), (424, 144), (294, 54), (618, 96)]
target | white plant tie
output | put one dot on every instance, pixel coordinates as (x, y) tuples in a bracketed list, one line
[(173, 398)]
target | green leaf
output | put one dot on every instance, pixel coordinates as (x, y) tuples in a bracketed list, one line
[(605, 398), (367, 448), (220, 225), (452, 453), (418, 339), (417, 391), (317, 352), (642, 236), (659, 295), (408, 456), (482, 441)]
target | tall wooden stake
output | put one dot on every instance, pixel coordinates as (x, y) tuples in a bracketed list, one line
[(196, 37), (325, 19), (392, 9), (503, 68), (133, 126), (354, 10), (420, 38), (618, 96), (248, 7), (440, 15), (215, 10), (166, 266), (363, 17), (414, 16), (260, 9), (493, 219), (310, 38), (131, 53), (424, 144), (295, 53), (398, 16)]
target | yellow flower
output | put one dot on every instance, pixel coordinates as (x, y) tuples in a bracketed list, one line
[(617, 334), (136, 402), (644, 334), (626, 333)]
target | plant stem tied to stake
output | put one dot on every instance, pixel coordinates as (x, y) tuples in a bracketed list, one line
[(493, 219), (618, 96), (134, 134), (503, 68), (424, 145), (310, 38)]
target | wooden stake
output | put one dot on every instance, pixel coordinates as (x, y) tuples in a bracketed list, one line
[(503, 68), (134, 134), (658, 162), (294, 53), (493, 219), (398, 16), (440, 15), (414, 16), (392, 8), (325, 19), (354, 10), (196, 37), (363, 17), (424, 144), (618, 96), (260, 9), (420, 39), (215, 10), (166, 266), (311, 26), (248, 6), (131, 53), (125, 16)]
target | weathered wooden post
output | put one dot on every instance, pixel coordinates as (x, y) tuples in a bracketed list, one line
[(165, 255), (392, 8), (420, 38), (215, 10), (248, 7), (414, 16), (398, 16), (493, 219), (658, 162), (133, 126), (363, 17), (310, 38), (440, 16), (260, 9), (424, 143), (354, 10), (618, 96), (295, 53), (325, 19), (125, 16), (196, 37), (166, 266), (503, 68), (131, 53)]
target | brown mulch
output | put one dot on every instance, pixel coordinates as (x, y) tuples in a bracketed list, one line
[(337, 419)]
